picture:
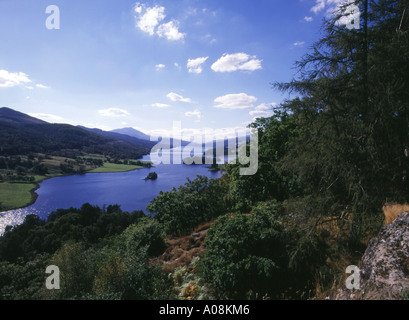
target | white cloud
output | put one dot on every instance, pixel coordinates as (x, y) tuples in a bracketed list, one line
[(176, 97), (209, 38), (10, 79), (265, 107), (159, 66), (319, 5), (235, 101), (138, 8), (298, 44), (160, 105), (337, 7), (331, 5), (170, 31), (41, 86), (195, 113), (236, 61), (46, 117), (195, 65), (308, 19), (349, 12), (261, 110), (258, 113), (150, 20), (177, 65), (191, 12), (114, 113)]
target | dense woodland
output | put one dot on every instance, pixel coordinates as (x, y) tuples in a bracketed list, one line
[(329, 158)]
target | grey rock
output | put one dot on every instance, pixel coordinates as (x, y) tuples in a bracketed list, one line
[(384, 268)]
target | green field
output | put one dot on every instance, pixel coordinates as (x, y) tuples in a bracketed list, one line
[(112, 167), (16, 195)]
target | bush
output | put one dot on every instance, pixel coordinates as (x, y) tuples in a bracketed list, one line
[(197, 201), (246, 256), (147, 233)]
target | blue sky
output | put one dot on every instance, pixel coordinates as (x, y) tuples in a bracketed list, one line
[(145, 64)]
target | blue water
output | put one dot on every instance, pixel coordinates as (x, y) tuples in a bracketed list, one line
[(127, 189)]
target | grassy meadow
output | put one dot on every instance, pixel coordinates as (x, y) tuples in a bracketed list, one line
[(16, 195), (113, 167)]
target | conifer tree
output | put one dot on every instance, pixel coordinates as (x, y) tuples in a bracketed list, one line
[(352, 109)]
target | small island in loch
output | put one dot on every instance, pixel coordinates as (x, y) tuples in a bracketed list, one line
[(152, 176)]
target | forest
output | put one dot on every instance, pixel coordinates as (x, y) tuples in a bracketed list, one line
[(330, 157)]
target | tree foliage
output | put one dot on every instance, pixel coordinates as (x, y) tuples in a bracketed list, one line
[(352, 112), (116, 265), (245, 252), (88, 224), (269, 182), (197, 201)]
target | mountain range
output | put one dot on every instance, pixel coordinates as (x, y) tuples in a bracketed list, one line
[(22, 134), (133, 133)]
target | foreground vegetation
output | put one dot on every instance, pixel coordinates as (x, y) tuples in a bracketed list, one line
[(329, 159)]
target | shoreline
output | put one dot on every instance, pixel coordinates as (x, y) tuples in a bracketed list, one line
[(36, 186)]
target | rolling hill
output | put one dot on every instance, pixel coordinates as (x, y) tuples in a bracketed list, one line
[(21, 134), (13, 116)]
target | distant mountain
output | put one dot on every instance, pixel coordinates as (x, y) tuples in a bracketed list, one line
[(120, 136), (140, 135), (21, 134), (13, 116), (133, 133)]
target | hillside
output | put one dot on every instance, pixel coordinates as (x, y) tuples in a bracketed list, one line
[(13, 116), (21, 134)]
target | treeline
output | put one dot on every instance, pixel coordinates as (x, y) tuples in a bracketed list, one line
[(14, 168), (22, 166), (140, 163)]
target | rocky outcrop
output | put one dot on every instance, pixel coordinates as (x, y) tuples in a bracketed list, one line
[(384, 268)]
